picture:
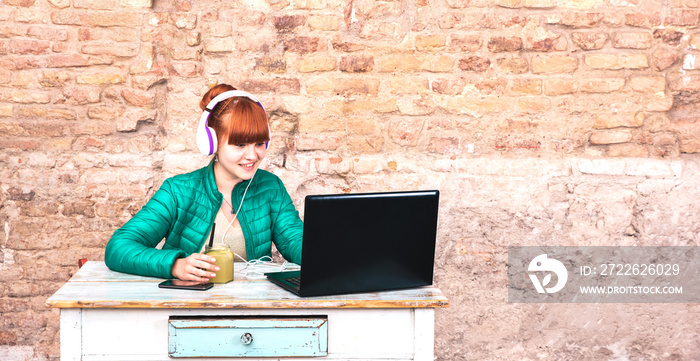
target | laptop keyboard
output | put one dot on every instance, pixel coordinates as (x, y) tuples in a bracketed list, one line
[(294, 280)]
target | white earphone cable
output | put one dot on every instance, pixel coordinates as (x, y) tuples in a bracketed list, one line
[(254, 269)]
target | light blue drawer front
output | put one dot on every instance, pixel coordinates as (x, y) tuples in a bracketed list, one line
[(247, 337)]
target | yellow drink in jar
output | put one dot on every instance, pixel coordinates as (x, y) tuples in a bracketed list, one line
[(224, 259)]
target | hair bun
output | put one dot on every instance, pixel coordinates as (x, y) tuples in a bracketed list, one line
[(212, 93)]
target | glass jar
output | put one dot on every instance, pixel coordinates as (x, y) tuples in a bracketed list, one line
[(224, 259)]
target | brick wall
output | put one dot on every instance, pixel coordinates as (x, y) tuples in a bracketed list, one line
[(554, 122)]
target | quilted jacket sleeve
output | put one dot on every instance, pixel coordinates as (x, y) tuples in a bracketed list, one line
[(132, 247), (287, 227)]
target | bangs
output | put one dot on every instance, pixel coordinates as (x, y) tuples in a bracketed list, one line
[(247, 123)]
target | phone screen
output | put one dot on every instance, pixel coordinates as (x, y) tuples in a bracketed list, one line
[(186, 285)]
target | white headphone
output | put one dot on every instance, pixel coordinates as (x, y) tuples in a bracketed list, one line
[(206, 136)]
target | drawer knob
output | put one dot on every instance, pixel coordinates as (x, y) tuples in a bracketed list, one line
[(247, 338)]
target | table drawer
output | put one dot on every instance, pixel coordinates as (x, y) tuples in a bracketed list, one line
[(241, 336)]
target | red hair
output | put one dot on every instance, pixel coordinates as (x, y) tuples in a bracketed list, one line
[(237, 120)]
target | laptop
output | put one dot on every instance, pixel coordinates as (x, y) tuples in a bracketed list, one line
[(365, 242)]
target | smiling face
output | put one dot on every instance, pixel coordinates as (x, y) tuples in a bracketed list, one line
[(238, 162)]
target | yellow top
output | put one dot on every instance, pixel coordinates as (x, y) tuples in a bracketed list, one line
[(233, 238)]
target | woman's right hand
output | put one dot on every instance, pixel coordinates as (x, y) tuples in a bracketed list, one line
[(194, 268)]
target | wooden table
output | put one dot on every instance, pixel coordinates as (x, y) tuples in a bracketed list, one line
[(107, 315)]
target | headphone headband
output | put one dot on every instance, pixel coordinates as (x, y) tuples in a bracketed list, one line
[(206, 136)]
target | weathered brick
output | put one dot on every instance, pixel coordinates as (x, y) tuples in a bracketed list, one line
[(443, 145), (648, 84), (449, 86), (6, 110), (688, 135), (104, 112), (430, 42), (184, 20), (39, 209), (475, 63), (616, 61), (501, 44), (276, 85), (409, 85), (606, 85), (329, 141), (333, 165), (632, 40), (579, 19), (316, 62), (628, 150), (54, 78), (81, 95), (8, 338), (219, 45), (345, 46), (380, 30), (663, 59), (22, 3), (643, 20), (526, 86), (303, 45), (100, 79), (210, 15), (75, 60), (287, 23), (19, 63), (515, 65), (344, 107), (534, 105), (679, 17), (601, 137), (406, 131), (554, 64), (560, 86), (111, 49), (609, 121), (47, 33), (589, 41), (344, 86), (187, 69), (695, 41), (470, 43), (669, 36), (268, 64), (96, 18), (139, 98), (29, 46), (464, 105), (25, 96), (548, 42), (324, 22), (422, 105), (220, 29), (409, 62), (356, 64), (364, 144), (490, 86)]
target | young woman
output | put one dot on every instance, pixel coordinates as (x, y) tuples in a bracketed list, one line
[(251, 207)]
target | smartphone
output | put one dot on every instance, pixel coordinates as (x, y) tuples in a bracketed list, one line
[(186, 285)]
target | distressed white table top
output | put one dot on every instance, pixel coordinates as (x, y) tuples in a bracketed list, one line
[(96, 286)]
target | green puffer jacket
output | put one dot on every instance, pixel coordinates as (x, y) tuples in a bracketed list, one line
[(183, 210)]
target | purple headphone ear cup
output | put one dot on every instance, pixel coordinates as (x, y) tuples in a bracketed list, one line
[(206, 136)]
